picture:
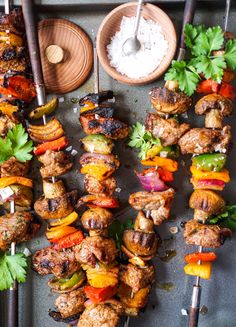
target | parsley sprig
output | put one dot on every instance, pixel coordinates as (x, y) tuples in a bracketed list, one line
[(12, 267), (201, 43), (142, 139), (16, 144), (226, 218), (117, 228)]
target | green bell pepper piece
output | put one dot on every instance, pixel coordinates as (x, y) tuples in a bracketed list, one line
[(209, 161)]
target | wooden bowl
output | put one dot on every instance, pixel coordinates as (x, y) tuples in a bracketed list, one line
[(111, 24)]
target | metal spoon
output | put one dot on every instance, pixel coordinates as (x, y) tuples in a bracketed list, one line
[(132, 44)]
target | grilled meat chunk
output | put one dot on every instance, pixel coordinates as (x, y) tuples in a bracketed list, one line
[(104, 111), (158, 203), (203, 140), (14, 22), (96, 98), (55, 163), (168, 131), (112, 128), (96, 158), (14, 227), (9, 52), (98, 315), (93, 186), (5, 124), (56, 208), (169, 102), (71, 303), (136, 277), (62, 264), (96, 248), (16, 65), (209, 236), (13, 167)]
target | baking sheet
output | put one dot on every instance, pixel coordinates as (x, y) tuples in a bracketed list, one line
[(164, 308)]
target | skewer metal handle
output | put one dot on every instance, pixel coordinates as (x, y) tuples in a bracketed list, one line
[(12, 305), (34, 52), (195, 307), (189, 10)]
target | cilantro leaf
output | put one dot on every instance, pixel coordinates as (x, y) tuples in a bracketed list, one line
[(185, 75), (191, 32), (117, 228), (12, 268), (230, 54), (211, 67)]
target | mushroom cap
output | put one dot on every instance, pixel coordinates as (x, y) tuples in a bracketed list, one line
[(96, 218), (142, 223), (214, 101), (140, 243), (207, 201)]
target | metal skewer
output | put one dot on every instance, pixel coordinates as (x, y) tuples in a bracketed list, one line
[(95, 68), (196, 294)]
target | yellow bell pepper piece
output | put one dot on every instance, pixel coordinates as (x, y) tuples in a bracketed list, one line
[(200, 174), (154, 151), (8, 109), (58, 233), (202, 270), (46, 109), (11, 38), (71, 218), (6, 181), (98, 171), (166, 163)]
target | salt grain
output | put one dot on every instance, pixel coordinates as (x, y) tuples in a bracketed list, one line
[(61, 99), (69, 148), (75, 110), (153, 48), (74, 152)]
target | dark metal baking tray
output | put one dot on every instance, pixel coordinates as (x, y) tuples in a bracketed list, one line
[(164, 308)]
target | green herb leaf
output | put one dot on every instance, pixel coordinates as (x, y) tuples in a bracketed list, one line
[(185, 75), (12, 268), (230, 54), (207, 41), (5, 149), (117, 228), (211, 67), (226, 218), (191, 32)]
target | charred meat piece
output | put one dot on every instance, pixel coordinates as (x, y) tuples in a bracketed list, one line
[(96, 248), (14, 227), (203, 140), (158, 203), (56, 208), (93, 186), (61, 264), (93, 158), (168, 131), (72, 303), (55, 163), (5, 124), (112, 128), (209, 236), (14, 22), (136, 277), (16, 65), (9, 52), (96, 98), (13, 167), (103, 111), (167, 102), (98, 315)]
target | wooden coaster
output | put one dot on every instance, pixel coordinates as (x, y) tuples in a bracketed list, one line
[(66, 55)]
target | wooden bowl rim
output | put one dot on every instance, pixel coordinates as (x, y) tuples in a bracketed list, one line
[(158, 71)]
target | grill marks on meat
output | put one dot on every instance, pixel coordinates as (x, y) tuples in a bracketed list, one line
[(57, 207), (71, 303), (93, 186), (110, 127), (62, 264), (13, 167), (203, 140), (14, 227), (169, 102), (209, 236), (55, 163), (136, 277), (168, 130), (99, 315), (96, 248), (159, 203)]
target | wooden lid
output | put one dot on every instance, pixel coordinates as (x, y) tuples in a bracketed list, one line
[(66, 55)]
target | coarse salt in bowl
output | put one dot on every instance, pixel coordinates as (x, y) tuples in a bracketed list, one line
[(157, 36)]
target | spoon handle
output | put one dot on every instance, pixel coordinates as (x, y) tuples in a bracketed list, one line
[(138, 16)]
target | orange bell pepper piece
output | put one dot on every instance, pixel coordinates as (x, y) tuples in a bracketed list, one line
[(227, 91), (200, 256), (6, 181), (199, 174), (166, 163), (203, 270), (97, 295), (68, 241), (19, 87), (71, 218), (54, 234), (208, 86)]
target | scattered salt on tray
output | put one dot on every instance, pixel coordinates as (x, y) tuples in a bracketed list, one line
[(154, 47)]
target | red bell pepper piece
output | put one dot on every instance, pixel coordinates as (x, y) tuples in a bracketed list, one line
[(97, 295), (208, 86), (52, 145), (68, 241), (165, 175), (100, 201), (227, 91), (200, 256)]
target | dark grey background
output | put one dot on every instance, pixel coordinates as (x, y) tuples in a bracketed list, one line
[(164, 308)]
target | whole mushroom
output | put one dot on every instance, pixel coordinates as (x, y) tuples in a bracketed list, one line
[(205, 204), (215, 107), (97, 220)]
